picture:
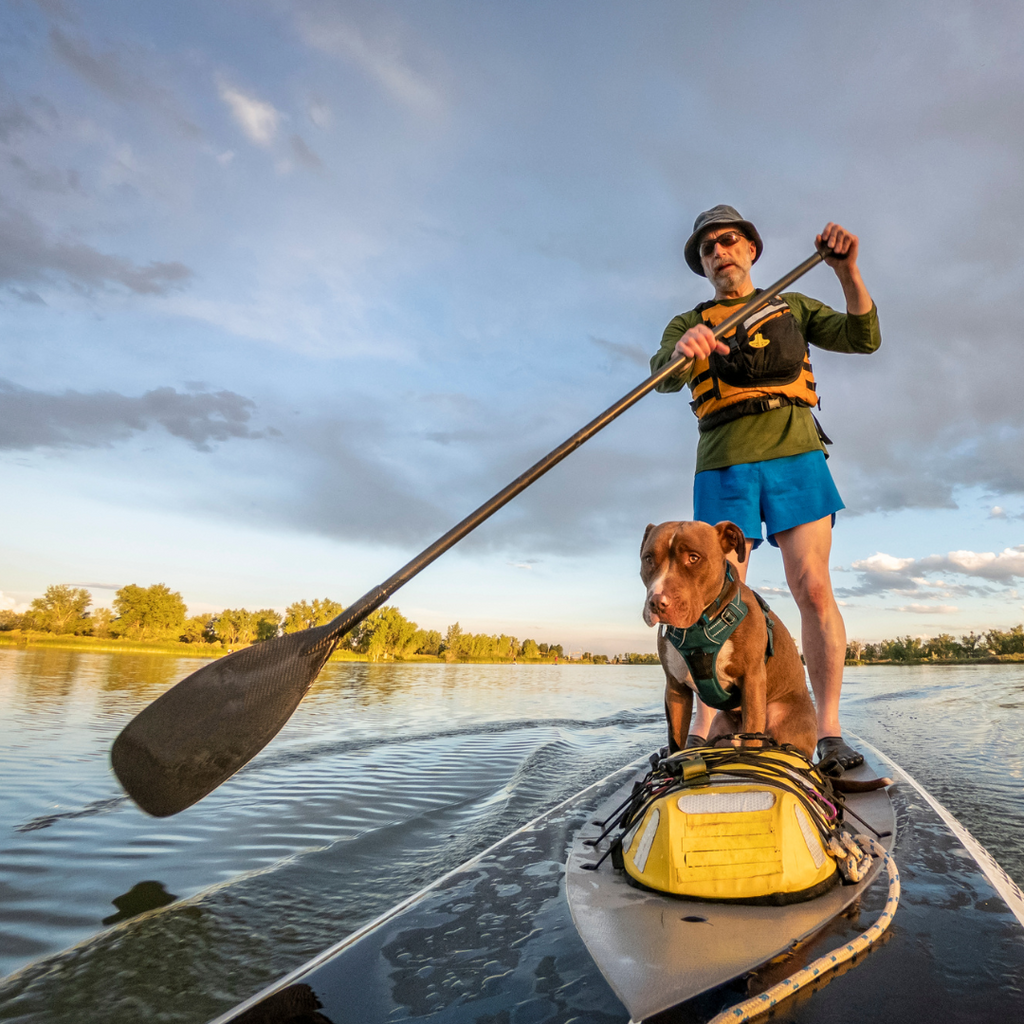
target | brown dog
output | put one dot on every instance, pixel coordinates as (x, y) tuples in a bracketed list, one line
[(683, 566)]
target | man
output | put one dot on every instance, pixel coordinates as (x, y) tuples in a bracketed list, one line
[(761, 454)]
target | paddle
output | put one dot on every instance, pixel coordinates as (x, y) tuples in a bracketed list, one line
[(202, 730)]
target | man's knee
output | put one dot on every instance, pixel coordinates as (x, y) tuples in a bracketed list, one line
[(812, 591)]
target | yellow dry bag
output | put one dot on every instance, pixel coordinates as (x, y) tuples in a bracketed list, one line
[(733, 824)]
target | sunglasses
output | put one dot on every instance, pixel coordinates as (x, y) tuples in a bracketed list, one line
[(726, 241)]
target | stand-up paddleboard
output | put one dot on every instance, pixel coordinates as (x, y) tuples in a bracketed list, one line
[(657, 950), (493, 940)]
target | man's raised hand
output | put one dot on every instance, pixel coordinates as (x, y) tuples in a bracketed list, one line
[(845, 246), (839, 241)]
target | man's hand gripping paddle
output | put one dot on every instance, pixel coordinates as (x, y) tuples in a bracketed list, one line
[(202, 730)]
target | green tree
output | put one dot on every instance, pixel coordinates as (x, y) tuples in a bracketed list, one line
[(529, 649), (903, 648), (455, 642), (268, 624), (306, 614), (10, 619), (640, 659), (507, 646), (941, 647), (235, 626), (482, 646), (149, 613), (1010, 642), (198, 629), (428, 641), (971, 645), (100, 622), (61, 609), (385, 633)]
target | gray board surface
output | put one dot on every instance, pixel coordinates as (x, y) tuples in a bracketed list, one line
[(493, 943), (657, 951)]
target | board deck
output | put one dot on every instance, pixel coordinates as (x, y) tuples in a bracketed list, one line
[(657, 951), (493, 942)]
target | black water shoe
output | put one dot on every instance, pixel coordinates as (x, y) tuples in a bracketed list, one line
[(835, 748)]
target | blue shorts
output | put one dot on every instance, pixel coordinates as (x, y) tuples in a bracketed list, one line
[(781, 493)]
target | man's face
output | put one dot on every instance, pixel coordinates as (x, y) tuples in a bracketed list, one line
[(727, 264)]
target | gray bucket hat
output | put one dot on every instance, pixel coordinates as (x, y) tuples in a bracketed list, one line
[(717, 216)]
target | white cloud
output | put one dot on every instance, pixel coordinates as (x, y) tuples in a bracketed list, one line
[(382, 58), (986, 564), (8, 604), (1003, 567), (881, 562), (907, 577), (257, 119), (929, 609), (320, 114)]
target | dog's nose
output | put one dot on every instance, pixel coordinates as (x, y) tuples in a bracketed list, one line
[(658, 602)]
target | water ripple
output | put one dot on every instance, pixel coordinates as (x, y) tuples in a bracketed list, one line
[(385, 778)]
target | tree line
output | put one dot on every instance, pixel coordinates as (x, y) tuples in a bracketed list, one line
[(991, 643), (157, 613)]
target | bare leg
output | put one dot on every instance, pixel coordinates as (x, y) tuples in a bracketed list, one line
[(704, 715), (702, 718), (741, 567), (805, 554)]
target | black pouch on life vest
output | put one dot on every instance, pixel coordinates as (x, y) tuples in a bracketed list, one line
[(767, 349)]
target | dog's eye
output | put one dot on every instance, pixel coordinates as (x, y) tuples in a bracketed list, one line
[(692, 558)]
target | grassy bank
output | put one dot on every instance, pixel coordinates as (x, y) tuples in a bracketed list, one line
[(27, 638), (988, 659), (24, 639)]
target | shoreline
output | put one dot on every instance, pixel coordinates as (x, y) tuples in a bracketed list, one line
[(988, 659), (31, 640)]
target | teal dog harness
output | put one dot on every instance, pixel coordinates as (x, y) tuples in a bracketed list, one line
[(701, 643)]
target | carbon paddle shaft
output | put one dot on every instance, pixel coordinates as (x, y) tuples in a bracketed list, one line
[(202, 730), (373, 599)]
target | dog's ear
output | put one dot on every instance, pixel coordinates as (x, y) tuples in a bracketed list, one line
[(647, 533), (732, 539)]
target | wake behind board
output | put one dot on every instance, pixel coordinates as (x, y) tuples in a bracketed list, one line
[(493, 941), (657, 951)]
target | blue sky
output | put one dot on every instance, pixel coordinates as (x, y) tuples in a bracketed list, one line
[(287, 289)]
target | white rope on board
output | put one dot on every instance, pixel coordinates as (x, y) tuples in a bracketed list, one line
[(757, 1005)]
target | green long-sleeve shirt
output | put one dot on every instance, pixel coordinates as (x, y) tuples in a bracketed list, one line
[(777, 433)]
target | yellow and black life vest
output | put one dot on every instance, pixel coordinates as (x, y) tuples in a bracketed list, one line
[(768, 366)]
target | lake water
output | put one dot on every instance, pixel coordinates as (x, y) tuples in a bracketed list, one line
[(387, 776)]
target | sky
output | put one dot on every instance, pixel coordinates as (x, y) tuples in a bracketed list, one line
[(289, 288)]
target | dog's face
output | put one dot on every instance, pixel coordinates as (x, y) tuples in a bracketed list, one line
[(683, 567)]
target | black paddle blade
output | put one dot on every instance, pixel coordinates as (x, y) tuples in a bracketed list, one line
[(202, 730)]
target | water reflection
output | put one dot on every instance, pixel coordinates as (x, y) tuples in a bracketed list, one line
[(42, 677), (386, 776), (96, 807), (296, 1004), (138, 899)]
